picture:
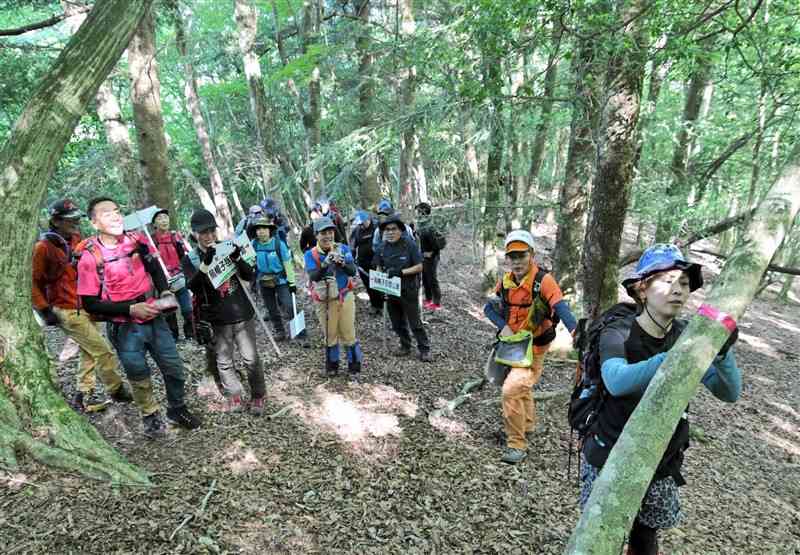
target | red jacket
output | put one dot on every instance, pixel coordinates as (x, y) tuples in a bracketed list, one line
[(55, 279)]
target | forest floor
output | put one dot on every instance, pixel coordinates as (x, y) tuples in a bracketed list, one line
[(365, 468)]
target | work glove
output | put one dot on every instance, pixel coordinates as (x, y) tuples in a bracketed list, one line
[(732, 338), (292, 288), (50, 318), (143, 250), (208, 256), (395, 272), (236, 253)]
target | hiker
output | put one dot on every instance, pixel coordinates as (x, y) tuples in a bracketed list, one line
[(327, 209), (119, 279), (383, 211), (172, 247), (330, 268), (431, 242), (400, 257), (54, 296), (274, 273), (253, 213), (225, 317), (361, 245), (527, 299), (272, 210), (630, 352)]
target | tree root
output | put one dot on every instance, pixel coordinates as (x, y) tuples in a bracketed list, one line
[(537, 396), (460, 399)]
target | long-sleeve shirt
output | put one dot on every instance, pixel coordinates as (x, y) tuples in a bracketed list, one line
[(270, 261), (322, 270), (55, 278)]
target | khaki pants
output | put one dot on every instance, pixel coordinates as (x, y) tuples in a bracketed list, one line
[(97, 355), (519, 409), (341, 319)]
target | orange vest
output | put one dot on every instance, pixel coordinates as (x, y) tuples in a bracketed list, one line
[(520, 300)]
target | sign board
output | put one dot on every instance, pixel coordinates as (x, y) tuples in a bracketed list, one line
[(221, 269), (248, 252), (298, 323), (383, 283), (139, 218)]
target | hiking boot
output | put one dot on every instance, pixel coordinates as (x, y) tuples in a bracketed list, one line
[(257, 406), (435, 306), (513, 456), (90, 401), (425, 356), (122, 394), (153, 426), (354, 377), (403, 351), (232, 404), (181, 416), (331, 369), (427, 304)]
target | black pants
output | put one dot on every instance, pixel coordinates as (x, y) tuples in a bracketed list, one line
[(430, 280), (643, 540), (404, 313), (278, 301)]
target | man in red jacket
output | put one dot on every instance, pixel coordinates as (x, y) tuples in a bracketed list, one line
[(54, 296)]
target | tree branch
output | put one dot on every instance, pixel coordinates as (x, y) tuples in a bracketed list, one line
[(55, 20), (770, 268)]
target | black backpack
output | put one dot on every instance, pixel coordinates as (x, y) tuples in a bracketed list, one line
[(548, 336), (589, 393)]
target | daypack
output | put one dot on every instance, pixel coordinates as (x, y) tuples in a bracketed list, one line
[(273, 282), (589, 392), (327, 290), (536, 296), (55, 271)]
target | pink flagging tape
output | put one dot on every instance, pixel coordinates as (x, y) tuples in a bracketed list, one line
[(717, 315)]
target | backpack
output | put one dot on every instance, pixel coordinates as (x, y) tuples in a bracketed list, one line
[(549, 335), (589, 392), (327, 292), (439, 240)]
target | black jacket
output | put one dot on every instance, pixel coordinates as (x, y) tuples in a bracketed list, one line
[(210, 305)]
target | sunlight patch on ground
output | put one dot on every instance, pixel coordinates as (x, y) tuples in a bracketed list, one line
[(787, 409), (352, 423), (773, 320), (69, 350), (759, 345), (14, 482), (240, 459), (453, 429), (785, 426), (272, 535), (791, 447)]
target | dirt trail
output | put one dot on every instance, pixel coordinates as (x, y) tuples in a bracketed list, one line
[(362, 469)]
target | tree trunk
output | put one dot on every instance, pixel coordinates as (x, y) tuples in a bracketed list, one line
[(671, 217), (223, 211), (121, 144), (408, 138), (494, 166), (30, 406), (205, 198), (472, 173), (578, 170), (370, 186), (312, 119), (147, 116), (612, 180), (618, 491)]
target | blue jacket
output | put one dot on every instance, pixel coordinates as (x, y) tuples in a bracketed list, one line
[(342, 273), (269, 262)]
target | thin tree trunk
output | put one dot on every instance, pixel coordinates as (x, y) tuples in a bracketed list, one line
[(612, 181), (205, 198), (494, 166), (618, 491), (33, 415), (408, 138), (670, 218), (147, 116), (578, 170), (370, 186), (223, 211), (313, 117), (472, 175)]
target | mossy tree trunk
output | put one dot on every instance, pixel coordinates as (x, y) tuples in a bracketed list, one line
[(33, 415), (618, 492)]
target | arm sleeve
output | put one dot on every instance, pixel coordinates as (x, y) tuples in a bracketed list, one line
[(724, 379), (621, 378), (349, 266), (156, 273), (288, 263), (244, 270), (94, 305), (314, 272), (492, 311), (611, 344), (38, 282), (414, 254), (562, 309)]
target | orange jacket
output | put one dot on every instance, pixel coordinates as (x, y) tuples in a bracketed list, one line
[(520, 299), (55, 279)]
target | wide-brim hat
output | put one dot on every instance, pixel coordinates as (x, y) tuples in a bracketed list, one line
[(393, 219), (661, 258), (262, 222)]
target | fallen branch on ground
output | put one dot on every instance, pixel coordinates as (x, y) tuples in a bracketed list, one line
[(280, 413), (199, 512), (460, 399), (537, 396)]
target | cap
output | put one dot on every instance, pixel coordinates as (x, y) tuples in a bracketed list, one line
[(519, 240), (202, 220), (423, 208), (255, 209), (323, 223), (162, 211), (385, 207), (660, 258), (65, 209), (361, 217)]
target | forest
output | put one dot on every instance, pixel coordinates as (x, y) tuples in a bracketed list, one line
[(602, 127)]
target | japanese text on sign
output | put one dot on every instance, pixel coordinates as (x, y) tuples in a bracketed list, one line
[(383, 283)]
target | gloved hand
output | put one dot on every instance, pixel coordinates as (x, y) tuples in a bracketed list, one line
[(50, 318), (330, 259), (236, 253), (395, 272), (143, 250), (292, 288), (732, 338), (208, 256)]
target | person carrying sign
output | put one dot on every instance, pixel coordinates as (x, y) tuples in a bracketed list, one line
[(400, 257), (55, 298), (528, 305), (171, 248), (331, 268), (274, 273), (119, 279), (224, 315)]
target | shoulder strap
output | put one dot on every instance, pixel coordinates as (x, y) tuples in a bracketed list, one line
[(537, 282), (315, 256)]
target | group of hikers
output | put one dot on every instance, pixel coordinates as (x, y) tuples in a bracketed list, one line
[(136, 283)]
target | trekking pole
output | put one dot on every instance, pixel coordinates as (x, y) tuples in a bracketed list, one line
[(260, 317), (385, 312), (325, 332), (153, 243)]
